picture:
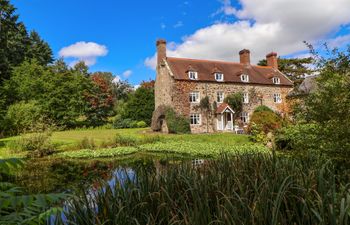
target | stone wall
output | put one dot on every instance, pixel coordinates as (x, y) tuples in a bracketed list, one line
[(258, 95), (163, 86)]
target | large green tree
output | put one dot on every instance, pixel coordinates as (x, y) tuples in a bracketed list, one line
[(140, 105)]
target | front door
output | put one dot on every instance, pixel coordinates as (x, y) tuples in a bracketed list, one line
[(228, 121)]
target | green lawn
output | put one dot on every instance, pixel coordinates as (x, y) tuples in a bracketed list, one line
[(143, 140)]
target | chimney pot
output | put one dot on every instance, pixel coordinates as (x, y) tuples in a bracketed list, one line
[(244, 56), (161, 51)]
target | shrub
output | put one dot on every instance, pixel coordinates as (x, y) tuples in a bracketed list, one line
[(262, 108), (22, 116), (141, 124), (37, 144), (267, 121), (177, 124), (120, 123), (297, 137)]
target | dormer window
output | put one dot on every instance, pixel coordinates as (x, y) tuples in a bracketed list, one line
[(244, 78), (276, 80), (193, 75), (219, 76)]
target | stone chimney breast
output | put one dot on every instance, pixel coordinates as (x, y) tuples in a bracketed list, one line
[(161, 51)]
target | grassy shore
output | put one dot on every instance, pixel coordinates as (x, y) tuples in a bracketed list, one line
[(119, 142)]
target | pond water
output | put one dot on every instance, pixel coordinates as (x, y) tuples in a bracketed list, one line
[(52, 175)]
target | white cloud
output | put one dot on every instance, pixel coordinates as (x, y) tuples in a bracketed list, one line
[(137, 86), (127, 73), (275, 25), (84, 51), (163, 26)]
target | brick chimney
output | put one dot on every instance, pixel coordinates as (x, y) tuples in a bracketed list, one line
[(271, 59), (244, 56), (161, 51)]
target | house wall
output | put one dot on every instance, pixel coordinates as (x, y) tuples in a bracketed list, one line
[(163, 86), (258, 95)]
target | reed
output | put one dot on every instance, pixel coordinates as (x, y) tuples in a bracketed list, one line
[(235, 189)]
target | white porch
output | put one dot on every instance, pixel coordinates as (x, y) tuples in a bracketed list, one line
[(224, 118)]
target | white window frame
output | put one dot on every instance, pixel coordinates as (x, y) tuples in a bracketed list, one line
[(245, 78), (193, 75), (277, 98), (195, 119), (245, 117), (194, 97), (219, 76), (218, 98), (276, 80), (246, 98)]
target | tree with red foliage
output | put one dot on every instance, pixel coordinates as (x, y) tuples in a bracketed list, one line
[(100, 98)]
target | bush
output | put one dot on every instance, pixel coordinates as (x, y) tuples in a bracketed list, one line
[(120, 123), (21, 117), (37, 145), (267, 121), (177, 124), (297, 137), (263, 108), (141, 124)]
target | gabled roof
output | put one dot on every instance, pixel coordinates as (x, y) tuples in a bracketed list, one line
[(222, 108), (231, 70)]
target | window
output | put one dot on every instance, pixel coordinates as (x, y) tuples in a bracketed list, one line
[(220, 97), (194, 97), (244, 78), (245, 117), (219, 77), (193, 75), (195, 119), (277, 98), (245, 98), (276, 80)]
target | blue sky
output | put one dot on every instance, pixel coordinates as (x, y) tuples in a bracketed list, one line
[(123, 33)]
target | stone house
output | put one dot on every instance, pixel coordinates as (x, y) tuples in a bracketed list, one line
[(181, 83)]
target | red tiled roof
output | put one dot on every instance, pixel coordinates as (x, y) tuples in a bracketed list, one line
[(231, 71), (222, 107)]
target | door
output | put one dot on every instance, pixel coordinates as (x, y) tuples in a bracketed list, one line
[(228, 120)]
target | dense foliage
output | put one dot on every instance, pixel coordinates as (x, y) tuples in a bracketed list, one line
[(235, 101), (177, 124), (325, 109)]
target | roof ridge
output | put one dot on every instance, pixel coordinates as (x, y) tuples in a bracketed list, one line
[(218, 61)]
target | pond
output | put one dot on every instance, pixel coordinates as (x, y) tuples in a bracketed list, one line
[(54, 175)]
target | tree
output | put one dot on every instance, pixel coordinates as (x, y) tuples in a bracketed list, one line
[(295, 68), (235, 101), (100, 98), (329, 105), (13, 40), (39, 49), (140, 105)]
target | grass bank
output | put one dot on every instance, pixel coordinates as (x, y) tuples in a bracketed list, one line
[(102, 143)]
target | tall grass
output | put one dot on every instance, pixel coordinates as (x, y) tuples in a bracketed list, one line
[(242, 189)]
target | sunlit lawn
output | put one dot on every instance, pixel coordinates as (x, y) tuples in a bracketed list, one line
[(65, 139)]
